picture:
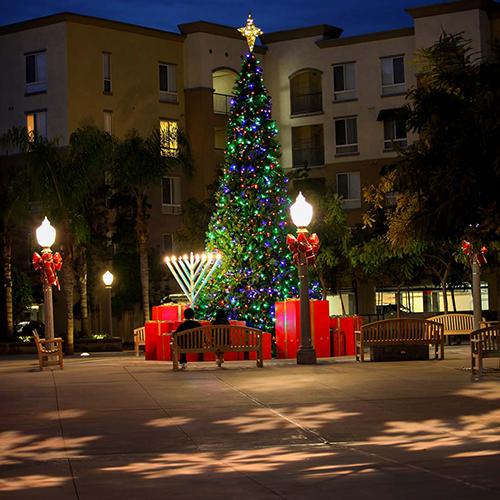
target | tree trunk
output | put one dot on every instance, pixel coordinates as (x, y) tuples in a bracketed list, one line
[(323, 286), (355, 288), (444, 280), (7, 269), (452, 292), (82, 282), (69, 284), (342, 303), (143, 252)]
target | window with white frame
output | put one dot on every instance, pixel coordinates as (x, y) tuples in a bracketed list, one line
[(393, 75), (106, 72), (344, 82), (169, 130), (171, 195), (394, 133), (168, 82), (36, 72), (36, 124), (108, 122), (168, 244), (346, 135), (348, 186)]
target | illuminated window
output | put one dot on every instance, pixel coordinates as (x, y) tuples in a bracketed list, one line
[(168, 82), (348, 186), (108, 122), (346, 135), (344, 82), (169, 130), (171, 195), (36, 123), (36, 72), (393, 75), (106, 72)]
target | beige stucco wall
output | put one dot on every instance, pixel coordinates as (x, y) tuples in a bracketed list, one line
[(13, 103)]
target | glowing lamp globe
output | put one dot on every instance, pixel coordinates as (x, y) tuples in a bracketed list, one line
[(107, 277), (301, 211), (46, 234)]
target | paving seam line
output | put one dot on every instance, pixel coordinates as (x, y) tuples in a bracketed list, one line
[(162, 409), (63, 438), (325, 442)]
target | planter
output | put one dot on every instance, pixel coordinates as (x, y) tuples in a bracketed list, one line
[(17, 348), (113, 344)]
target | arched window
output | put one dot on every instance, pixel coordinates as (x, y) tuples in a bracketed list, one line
[(306, 92), (223, 82)]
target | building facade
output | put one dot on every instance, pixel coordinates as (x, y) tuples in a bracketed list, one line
[(334, 96)]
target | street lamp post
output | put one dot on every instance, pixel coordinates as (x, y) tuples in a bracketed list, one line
[(107, 277), (301, 213), (46, 235)]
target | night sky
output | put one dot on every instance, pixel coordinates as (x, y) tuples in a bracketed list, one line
[(354, 16)]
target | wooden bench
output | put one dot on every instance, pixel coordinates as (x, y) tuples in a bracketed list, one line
[(139, 338), (402, 332), (217, 339), (455, 324), (484, 343), (43, 352)]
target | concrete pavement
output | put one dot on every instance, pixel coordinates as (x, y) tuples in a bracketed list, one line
[(118, 427)]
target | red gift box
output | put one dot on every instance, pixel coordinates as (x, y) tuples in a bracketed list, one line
[(266, 349), (155, 330), (288, 328), (169, 312), (343, 332)]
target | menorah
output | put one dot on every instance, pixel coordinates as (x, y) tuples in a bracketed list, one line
[(193, 272)]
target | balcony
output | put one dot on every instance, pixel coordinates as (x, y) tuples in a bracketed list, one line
[(308, 157), (307, 103), (222, 104)]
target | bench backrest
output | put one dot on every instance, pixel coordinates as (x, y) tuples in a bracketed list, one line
[(140, 334), (490, 337), (455, 322), (402, 330), (213, 336)]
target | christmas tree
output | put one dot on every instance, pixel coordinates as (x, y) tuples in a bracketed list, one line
[(251, 219)]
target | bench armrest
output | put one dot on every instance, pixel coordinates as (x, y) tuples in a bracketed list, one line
[(57, 339)]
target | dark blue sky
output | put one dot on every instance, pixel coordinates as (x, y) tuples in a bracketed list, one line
[(354, 16)]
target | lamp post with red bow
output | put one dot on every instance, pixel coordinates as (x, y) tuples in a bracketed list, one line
[(304, 250), (47, 263)]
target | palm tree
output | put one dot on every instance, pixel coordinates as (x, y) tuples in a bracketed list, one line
[(62, 181), (142, 162)]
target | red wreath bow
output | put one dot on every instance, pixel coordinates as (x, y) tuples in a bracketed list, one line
[(302, 243), (48, 263), (480, 256)]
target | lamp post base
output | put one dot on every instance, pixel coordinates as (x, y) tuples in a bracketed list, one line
[(306, 356)]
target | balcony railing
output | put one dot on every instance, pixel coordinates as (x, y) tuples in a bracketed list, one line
[(308, 157), (222, 104), (307, 103)]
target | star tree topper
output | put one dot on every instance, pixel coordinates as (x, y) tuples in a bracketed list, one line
[(250, 32)]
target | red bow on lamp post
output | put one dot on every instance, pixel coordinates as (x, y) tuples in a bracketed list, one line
[(480, 256), (48, 263), (302, 243)]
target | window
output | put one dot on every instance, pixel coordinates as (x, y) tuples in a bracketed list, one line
[(391, 198), (344, 82), (108, 122), (394, 133), (168, 130), (348, 186), (106, 72), (171, 195), (346, 135), (306, 93), (168, 82), (393, 75), (168, 244), (36, 72), (36, 123), (308, 146)]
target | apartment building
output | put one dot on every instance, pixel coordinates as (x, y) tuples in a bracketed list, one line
[(334, 96)]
